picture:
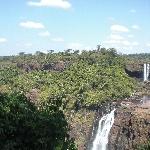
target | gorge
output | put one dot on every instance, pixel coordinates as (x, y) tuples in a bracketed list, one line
[(126, 126)]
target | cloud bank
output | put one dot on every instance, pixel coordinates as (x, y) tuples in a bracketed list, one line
[(32, 25), (3, 40), (51, 3)]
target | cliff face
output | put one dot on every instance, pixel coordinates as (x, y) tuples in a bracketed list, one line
[(81, 127), (131, 126), (84, 124)]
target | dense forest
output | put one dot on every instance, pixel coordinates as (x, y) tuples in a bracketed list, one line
[(40, 92)]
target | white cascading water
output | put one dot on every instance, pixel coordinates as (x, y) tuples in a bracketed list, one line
[(105, 124), (145, 74), (146, 71)]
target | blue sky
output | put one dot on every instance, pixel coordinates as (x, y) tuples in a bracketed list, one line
[(33, 25)]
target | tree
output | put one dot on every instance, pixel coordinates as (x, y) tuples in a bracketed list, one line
[(68, 51), (24, 126), (51, 51), (21, 53), (112, 51), (76, 52), (98, 47), (103, 50), (39, 53)]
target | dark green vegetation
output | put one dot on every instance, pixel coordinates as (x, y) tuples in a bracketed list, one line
[(55, 84), (24, 126), (144, 147)]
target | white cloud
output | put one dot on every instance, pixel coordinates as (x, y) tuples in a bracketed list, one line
[(119, 28), (78, 46), (116, 37), (135, 43), (32, 25), (3, 40), (121, 43), (111, 41), (136, 27), (130, 35), (133, 11), (51, 3), (44, 34), (75, 46), (126, 43), (59, 39), (117, 40), (28, 44), (148, 44)]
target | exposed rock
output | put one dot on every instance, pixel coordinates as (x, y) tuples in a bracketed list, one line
[(32, 95), (51, 66), (136, 74), (84, 124), (131, 127), (81, 127), (135, 67), (144, 88), (55, 66), (28, 67)]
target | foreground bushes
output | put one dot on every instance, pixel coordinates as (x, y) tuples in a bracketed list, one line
[(23, 126), (144, 146)]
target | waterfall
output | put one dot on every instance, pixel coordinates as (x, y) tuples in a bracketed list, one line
[(145, 74), (146, 71), (105, 124)]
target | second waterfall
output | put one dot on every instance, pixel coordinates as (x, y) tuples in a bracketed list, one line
[(146, 71), (105, 124)]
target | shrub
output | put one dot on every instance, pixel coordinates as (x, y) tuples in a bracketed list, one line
[(23, 126)]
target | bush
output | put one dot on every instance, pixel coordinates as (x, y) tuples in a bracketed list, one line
[(144, 146), (23, 126)]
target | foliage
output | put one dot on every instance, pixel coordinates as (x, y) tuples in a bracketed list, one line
[(144, 146), (24, 126), (91, 77), (7, 74)]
